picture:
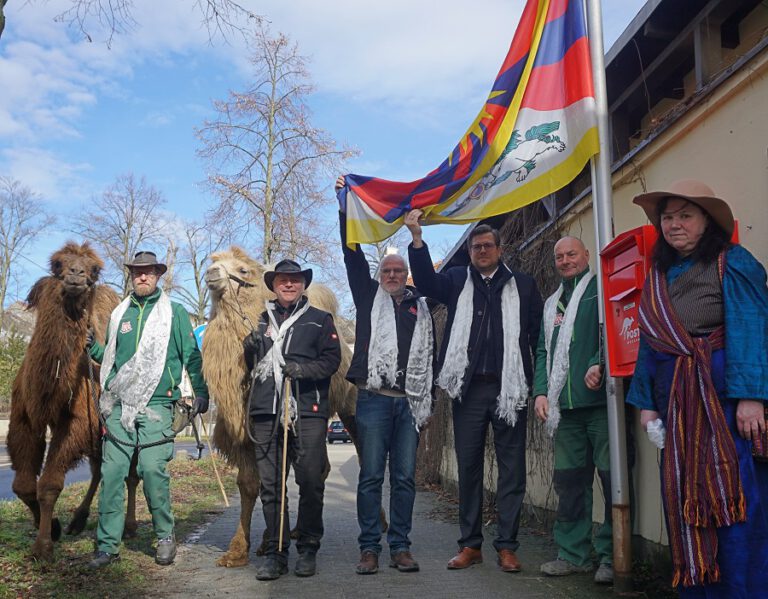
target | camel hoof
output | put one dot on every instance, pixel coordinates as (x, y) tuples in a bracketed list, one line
[(229, 560), (78, 523), (55, 530), (130, 530), (43, 550)]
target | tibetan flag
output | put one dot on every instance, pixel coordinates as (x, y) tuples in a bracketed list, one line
[(534, 134)]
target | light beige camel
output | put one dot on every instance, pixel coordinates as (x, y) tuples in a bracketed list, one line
[(238, 294)]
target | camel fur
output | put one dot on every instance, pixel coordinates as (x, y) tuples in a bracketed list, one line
[(53, 390), (236, 309)]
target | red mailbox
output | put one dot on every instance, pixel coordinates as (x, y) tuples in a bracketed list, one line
[(625, 263)]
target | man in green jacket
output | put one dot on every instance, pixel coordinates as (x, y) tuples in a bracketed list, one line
[(570, 398), (149, 341)]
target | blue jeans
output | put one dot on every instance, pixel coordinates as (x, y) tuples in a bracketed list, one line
[(385, 427)]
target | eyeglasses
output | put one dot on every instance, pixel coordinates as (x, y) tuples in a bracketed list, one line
[(393, 271), (476, 247)]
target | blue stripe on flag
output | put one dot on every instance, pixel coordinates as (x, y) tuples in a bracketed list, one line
[(559, 35)]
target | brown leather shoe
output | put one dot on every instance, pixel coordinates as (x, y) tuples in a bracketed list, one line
[(404, 562), (466, 557), (508, 561), (369, 563)]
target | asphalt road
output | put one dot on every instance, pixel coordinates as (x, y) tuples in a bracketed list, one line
[(80, 473)]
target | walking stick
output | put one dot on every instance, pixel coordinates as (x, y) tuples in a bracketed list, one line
[(286, 416), (213, 461)]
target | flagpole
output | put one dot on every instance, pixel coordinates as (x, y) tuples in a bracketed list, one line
[(602, 209)]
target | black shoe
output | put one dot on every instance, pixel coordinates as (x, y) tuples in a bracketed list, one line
[(101, 559), (306, 565), (166, 551), (271, 569)]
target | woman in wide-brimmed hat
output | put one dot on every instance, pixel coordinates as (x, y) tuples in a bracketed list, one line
[(702, 370)]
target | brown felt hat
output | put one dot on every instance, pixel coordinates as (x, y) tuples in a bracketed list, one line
[(146, 259), (693, 191)]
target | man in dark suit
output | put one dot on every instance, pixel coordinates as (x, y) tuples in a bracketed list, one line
[(486, 366)]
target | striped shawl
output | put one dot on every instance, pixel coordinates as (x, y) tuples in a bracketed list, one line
[(702, 487)]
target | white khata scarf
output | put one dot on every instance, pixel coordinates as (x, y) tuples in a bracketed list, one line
[(273, 361), (136, 380), (558, 362), (514, 387), (382, 355)]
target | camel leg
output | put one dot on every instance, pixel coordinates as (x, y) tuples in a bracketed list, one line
[(248, 483), (64, 450), (80, 517), (26, 448), (132, 481), (351, 426)]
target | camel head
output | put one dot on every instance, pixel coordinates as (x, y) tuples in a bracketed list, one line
[(77, 267), (234, 272)]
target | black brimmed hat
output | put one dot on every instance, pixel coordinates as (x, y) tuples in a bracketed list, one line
[(287, 267), (146, 259)]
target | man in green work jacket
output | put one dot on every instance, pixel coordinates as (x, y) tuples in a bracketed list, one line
[(149, 341), (570, 398)]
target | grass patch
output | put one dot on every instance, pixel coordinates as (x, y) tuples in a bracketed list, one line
[(195, 495)]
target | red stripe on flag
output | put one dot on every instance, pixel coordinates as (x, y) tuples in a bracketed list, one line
[(382, 195), (557, 9), (521, 43), (427, 198), (558, 85)]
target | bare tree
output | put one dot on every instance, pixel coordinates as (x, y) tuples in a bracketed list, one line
[(22, 220), (200, 241), (266, 157), (125, 219), (171, 277), (375, 252), (220, 17), (2, 15)]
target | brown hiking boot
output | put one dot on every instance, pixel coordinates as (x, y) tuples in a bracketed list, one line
[(508, 561), (404, 562), (466, 557), (369, 563)]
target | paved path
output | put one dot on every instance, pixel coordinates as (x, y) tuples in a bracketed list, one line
[(434, 540)]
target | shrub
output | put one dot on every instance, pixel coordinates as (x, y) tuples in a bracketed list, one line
[(12, 348)]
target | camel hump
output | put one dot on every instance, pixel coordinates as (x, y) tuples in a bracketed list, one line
[(322, 297)]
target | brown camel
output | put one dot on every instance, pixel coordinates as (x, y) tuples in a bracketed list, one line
[(53, 390), (237, 288)]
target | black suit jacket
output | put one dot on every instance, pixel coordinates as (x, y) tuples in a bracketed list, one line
[(446, 288)]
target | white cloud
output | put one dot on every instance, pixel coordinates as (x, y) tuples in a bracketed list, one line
[(47, 174), (157, 119), (409, 52)]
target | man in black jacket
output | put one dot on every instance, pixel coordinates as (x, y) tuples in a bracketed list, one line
[(486, 367), (294, 345), (392, 367)]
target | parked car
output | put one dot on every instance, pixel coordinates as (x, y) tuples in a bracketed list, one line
[(337, 432)]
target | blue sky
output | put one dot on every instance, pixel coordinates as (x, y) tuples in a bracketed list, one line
[(399, 80)]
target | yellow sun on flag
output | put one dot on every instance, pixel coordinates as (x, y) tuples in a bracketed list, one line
[(475, 128)]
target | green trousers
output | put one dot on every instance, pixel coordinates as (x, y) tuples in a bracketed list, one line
[(581, 445), (152, 469)]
